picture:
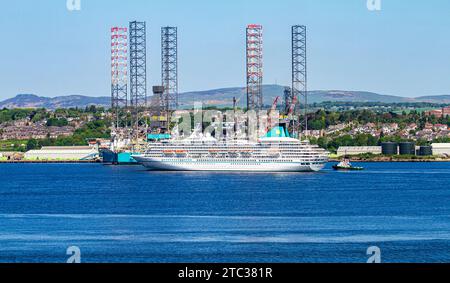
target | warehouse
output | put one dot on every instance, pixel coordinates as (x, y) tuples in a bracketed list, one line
[(441, 149), (63, 153), (356, 150)]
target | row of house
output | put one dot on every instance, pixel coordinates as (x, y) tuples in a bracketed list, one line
[(439, 113), (410, 131), (25, 129), (34, 132), (374, 130)]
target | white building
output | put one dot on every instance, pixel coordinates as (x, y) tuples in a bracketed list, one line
[(441, 149), (356, 150), (63, 153)]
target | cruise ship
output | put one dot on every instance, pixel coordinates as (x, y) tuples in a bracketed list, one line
[(275, 152)]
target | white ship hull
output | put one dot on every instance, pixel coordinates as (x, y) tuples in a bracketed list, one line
[(160, 164), (204, 153)]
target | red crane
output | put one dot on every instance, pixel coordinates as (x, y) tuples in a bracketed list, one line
[(292, 107), (269, 115)]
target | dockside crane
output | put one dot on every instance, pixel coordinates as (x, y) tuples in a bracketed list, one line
[(292, 107), (290, 115), (269, 114)]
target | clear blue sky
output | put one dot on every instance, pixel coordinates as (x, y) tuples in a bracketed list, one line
[(404, 49)]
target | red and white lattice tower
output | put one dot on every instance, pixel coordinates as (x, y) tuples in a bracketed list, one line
[(254, 67), (119, 71)]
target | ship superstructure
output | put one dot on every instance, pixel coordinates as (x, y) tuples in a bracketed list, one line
[(271, 153)]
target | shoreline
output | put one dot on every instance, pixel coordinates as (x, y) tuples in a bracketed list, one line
[(49, 161)]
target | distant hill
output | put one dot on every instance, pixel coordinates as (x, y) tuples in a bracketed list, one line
[(435, 99), (218, 97), (34, 101), (224, 97), (354, 96)]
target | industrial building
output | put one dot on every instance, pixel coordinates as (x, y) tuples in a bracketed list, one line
[(69, 153), (439, 113), (356, 150), (441, 149)]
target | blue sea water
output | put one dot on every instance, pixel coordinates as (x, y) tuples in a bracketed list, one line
[(128, 214)]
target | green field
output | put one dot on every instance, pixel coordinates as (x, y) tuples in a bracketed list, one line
[(12, 145), (420, 110)]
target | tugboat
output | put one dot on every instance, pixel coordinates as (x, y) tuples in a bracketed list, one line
[(346, 166)]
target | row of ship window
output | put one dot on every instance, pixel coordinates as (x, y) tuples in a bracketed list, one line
[(316, 161)]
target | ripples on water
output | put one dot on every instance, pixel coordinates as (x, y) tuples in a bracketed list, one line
[(127, 214)]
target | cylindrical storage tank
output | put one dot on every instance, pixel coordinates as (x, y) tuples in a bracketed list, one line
[(389, 148), (407, 148), (426, 151)]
